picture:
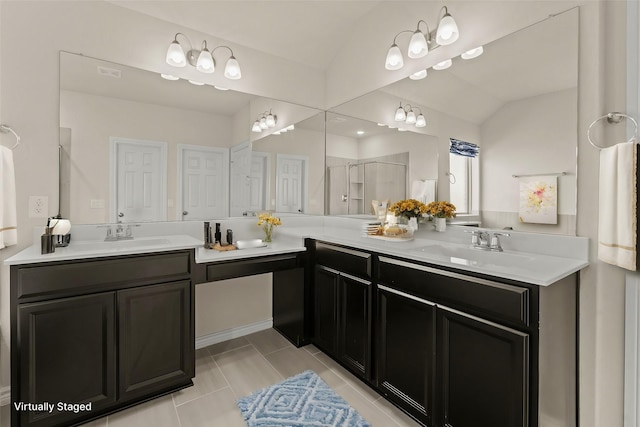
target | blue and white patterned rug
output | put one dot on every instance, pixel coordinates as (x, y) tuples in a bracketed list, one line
[(302, 400)]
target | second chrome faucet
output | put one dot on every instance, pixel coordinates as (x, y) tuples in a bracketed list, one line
[(485, 240)]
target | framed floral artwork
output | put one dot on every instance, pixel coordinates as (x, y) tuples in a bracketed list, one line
[(539, 200)]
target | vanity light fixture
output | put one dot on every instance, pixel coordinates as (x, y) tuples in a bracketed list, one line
[(447, 32), (472, 53), (419, 75), (422, 42), (169, 77), (406, 114), (360, 132), (201, 59), (264, 121), (193, 82), (443, 65)]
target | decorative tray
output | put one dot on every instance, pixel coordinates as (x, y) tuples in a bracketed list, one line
[(398, 238)]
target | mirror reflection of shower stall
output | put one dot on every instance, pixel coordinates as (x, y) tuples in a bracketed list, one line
[(353, 186)]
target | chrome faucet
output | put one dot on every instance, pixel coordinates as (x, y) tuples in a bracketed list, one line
[(121, 233), (494, 245), (479, 239)]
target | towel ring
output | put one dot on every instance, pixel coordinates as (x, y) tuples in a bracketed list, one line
[(7, 129), (613, 118)]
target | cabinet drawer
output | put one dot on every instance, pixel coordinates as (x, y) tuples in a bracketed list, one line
[(249, 267), (32, 281), (343, 259), (486, 298)]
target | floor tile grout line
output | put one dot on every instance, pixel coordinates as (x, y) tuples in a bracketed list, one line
[(227, 351), (235, 394), (175, 409), (270, 364), (202, 395)]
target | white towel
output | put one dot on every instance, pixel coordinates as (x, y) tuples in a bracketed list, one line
[(8, 218), (617, 222), (424, 191)]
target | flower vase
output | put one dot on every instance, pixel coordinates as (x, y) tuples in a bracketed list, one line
[(441, 224), (413, 224), (268, 231)]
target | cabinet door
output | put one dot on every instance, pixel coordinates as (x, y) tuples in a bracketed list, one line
[(405, 351), (156, 341), (288, 304), (326, 309), (485, 372), (67, 349), (354, 324)]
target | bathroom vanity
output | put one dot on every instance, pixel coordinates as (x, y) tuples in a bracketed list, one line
[(450, 340)]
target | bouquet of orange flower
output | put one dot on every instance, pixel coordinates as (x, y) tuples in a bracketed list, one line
[(441, 210), (410, 208), (267, 222)]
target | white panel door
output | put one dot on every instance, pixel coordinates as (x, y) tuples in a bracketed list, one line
[(204, 180), (291, 183), (240, 185), (140, 177), (259, 181)]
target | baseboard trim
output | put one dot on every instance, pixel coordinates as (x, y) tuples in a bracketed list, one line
[(227, 334), (5, 396), (201, 342)]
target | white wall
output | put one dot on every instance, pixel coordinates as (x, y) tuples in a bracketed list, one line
[(517, 140), (94, 119)]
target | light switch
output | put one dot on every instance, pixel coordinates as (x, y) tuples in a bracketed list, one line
[(97, 204)]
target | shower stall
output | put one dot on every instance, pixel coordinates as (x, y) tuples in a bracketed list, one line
[(353, 186)]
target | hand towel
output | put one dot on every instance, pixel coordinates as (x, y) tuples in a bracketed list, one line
[(8, 218), (617, 222), (423, 191)]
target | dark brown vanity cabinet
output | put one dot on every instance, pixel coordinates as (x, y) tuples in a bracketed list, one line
[(109, 331), (444, 366), (343, 306)]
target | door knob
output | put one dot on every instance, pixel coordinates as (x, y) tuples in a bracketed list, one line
[(185, 213), (121, 214)]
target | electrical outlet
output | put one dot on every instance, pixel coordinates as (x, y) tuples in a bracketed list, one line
[(38, 206)]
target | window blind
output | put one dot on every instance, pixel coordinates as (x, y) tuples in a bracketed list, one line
[(463, 148)]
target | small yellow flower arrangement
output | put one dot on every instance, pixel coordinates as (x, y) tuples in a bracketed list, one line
[(441, 210), (410, 208), (267, 222)]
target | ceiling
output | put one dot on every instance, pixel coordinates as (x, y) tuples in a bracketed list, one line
[(303, 31)]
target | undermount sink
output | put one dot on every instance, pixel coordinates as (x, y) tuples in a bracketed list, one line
[(466, 255), (116, 245)]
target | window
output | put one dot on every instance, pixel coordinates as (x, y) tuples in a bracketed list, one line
[(463, 176)]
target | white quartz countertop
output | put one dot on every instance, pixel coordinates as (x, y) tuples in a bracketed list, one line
[(530, 258)]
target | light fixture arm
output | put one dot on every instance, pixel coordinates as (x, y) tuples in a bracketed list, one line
[(403, 31), (175, 40), (218, 47), (428, 33)]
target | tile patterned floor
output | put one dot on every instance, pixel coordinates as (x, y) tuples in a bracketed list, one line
[(235, 368)]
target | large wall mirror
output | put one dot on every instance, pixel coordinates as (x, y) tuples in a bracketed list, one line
[(517, 102), (138, 147)]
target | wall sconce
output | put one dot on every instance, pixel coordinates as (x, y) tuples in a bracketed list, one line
[(264, 121), (420, 43), (406, 114), (201, 59)]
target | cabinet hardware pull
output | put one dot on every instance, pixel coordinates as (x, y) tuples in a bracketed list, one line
[(406, 295), (344, 250), (452, 274), (481, 320), (354, 278)]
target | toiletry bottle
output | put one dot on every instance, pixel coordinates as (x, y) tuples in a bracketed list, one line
[(218, 235), (229, 236), (47, 242), (207, 234)]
